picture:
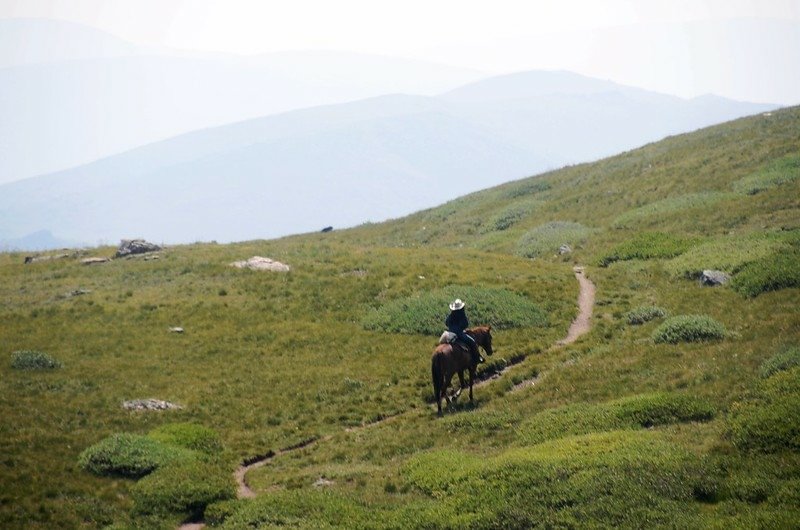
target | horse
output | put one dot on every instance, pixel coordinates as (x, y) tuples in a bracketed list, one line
[(450, 359)]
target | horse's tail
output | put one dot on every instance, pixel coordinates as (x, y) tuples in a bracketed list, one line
[(437, 375)]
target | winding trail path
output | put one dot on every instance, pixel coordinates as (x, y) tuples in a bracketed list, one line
[(580, 326)]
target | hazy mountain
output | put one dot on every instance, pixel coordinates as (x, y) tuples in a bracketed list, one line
[(344, 164), (40, 240), (74, 94)]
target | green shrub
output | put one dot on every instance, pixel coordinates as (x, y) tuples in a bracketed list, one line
[(130, 455), (689, 328), (425, 313), (646, 410), (779, 172), (643, 314), (649, 245), (779, 271), (547, 238), (729, 254), (184, 487), (783, 360), (33, 360), (671, 205), (188, 435), (526, 187), (508, 216), (770, 422)]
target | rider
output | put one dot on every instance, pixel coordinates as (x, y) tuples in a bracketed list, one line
[(456, 323)]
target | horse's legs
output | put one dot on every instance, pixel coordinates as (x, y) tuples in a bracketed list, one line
[(471, 379)]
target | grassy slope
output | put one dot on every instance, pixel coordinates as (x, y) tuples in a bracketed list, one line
[(269, 360)]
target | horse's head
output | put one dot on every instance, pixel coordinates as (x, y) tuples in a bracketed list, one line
[(483, 337)]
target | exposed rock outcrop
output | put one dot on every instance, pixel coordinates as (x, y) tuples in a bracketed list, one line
[(149, 404), (258, 263), (713, 278), (129, 247)]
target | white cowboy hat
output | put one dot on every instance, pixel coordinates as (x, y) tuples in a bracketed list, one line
[(458, 304)]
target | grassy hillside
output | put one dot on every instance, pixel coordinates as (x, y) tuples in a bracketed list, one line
[(679, 408)]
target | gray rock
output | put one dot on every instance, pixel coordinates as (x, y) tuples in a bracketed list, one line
[(712, 278), (92, 261), (129, 247), (149, 404), (258, 263), (564, 249), (176, 330)]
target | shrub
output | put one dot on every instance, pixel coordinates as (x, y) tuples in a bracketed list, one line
[(779, 172), (770, 422), (648, 245), (508, 217), (188, 435), (130, 455), (783, 360), (689, 328), (184, 487), (645, 313), (669, 206), (527, 187), (646, 410), (33, 360), (425, 313), (547, 238), (779, 271), (729, 254)]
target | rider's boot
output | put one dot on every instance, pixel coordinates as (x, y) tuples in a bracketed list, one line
[(476, 355)]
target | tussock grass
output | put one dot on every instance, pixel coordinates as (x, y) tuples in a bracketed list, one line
[(783, 360), (547, 238), (426, 312), (728, 253), (509, 216), (689, 328), (130, 455), (643, 314), (186, 487), (33, 360), (779, 172), (188, 435), (648, 245), (671, 205), (772, 273), (647, 410)]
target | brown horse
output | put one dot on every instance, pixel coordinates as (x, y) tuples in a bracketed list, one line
[(450, 359)]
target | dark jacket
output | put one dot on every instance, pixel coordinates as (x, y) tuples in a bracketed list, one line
[(457, 322)]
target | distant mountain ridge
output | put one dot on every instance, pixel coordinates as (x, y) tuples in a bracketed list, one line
[(345, 164)]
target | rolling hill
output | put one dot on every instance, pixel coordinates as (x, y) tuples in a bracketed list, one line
[(678, 409), (341, 165)]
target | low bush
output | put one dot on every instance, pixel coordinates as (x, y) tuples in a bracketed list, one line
[(183, 487), (783, 360), (547, 238), (729, 254), (33, 360), (643, 314), (188, 435), (778, 271), (527, 187), (779, 172), (130, 455), (508, 217), (646, 410), (425, 312), (649, 245), (689, 328), (668, 206), (770, 421)]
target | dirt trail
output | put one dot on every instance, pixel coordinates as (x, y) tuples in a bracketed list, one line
[(581, 325)]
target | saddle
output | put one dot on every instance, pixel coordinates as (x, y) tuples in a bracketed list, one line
[(448, 337)]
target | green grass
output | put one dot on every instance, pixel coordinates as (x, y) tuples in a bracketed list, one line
[(509, 216), (780, 172), (545, 240), (615, 429), (783, 360), (130, 455), (689, 328), (648, 245), (643, 314), (425, 313), (777, 271)]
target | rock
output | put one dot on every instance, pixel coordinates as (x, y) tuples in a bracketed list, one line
[(149, 404), (77, 292), (712, 278), (322, 482), (564, 249), (257, 263), (327, 229), (92, 261), (176, 330), (128, 247), (36, 259)]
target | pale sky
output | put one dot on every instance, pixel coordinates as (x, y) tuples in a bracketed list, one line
[(614, 39)]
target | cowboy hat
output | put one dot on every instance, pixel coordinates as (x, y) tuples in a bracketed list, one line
[(456, 305)]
